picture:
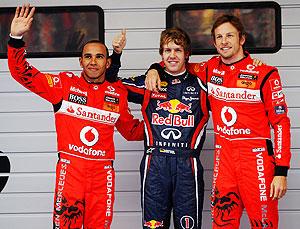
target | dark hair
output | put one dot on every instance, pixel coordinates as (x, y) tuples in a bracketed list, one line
[(178, 36), (233, 20), (97, 42)]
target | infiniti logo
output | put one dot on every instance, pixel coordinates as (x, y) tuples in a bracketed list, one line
[(190, 88), (83, 133), (168, 132), (233, 114)]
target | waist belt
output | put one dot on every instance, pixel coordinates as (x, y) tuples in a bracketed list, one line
[(175, 152)]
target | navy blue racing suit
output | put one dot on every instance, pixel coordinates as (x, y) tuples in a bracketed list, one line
[(171, 172)]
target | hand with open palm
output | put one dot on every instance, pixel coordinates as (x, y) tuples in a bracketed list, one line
[(22, 20)]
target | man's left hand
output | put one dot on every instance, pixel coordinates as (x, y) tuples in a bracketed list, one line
[(119, 42), (278, 187)]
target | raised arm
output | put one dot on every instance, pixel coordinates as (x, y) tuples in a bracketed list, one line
[(22, 20), (118, 44), (48, 86)]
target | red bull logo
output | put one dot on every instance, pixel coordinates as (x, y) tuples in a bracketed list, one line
[(174, 106), (173, 120), (152, 224)]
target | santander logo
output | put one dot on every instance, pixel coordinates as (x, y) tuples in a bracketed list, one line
[(234, 94), (70, 109), (88, 113)]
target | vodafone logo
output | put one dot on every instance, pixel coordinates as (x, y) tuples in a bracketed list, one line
[(229, 118), (250, 67), (225, 117), (112, 91), (85, 134)]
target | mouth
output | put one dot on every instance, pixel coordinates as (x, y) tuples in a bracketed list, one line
[(93, 69), (225, 48), (172, 62)]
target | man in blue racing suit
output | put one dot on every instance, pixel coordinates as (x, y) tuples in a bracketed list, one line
[(175, 121)]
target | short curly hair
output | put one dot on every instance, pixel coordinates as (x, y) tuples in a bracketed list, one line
[(178, 36)]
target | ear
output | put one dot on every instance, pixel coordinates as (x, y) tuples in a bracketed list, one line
[(215, 44), (187, 55), (80, 62), (108, 63), (242, 40)]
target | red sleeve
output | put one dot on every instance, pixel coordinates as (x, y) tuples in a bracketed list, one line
[(130, 128), (197, 69), (277, 110), (48, 86)]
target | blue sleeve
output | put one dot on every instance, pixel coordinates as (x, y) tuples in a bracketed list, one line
[(136, 88)]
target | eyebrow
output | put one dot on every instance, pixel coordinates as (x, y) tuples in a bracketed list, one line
[(98, 54)]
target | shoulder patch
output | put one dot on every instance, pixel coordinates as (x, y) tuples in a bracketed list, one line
[(67, 74), (53, 80)]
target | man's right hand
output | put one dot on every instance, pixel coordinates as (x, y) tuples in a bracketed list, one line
[(152, 81), (22, 20)]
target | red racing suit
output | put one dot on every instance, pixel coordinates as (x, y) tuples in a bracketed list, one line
[(246, 101), (85, 117)]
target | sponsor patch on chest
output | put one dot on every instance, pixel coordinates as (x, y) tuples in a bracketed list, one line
[(246, 83), (216, 80), (111, 107), (247, 76), (80, 99), (111, 99), (157, 95)]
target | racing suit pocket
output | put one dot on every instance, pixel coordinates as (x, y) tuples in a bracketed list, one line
[(270, 147)]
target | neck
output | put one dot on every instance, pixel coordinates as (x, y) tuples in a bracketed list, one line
[(177, 74), (96, 80), (235, 58), (99, 79)]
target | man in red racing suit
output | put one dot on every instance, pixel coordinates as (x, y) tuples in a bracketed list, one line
[(245, 101), (85, 116)]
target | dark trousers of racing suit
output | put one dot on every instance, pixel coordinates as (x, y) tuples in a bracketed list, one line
[(172, 182), (243, 172), (84, 193)]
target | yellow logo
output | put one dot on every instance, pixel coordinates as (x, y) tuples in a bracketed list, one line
[(163, 84), (49, 80)]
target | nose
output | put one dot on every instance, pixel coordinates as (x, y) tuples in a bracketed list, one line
[(93, 60), (224, 40), (173, 53)]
